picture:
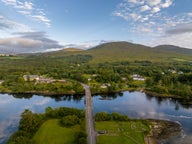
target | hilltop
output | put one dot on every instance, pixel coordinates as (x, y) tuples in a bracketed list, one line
[(125, 51), (172, 48)]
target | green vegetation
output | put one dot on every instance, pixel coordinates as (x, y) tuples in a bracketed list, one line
[(107, 68), (103, 116), (116, 128), (49, 128), (130, 132), (52, 132)]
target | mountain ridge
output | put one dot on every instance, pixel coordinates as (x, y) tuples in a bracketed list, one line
[(173, 48)]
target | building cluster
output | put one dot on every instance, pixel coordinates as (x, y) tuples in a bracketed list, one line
[(138, 77), (40, 79)]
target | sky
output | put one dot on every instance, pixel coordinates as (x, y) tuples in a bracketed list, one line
[(28, 26)]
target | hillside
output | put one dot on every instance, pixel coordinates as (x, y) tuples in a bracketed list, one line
[(63, 52), (172, 48), (125, 51)]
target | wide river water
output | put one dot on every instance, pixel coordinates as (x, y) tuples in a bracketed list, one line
[(133, 104)]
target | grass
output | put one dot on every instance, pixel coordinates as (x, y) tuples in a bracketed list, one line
[(52, 133), (179, 59), (121, 132)]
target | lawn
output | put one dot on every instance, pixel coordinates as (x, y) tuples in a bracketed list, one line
[(121, 132), (52, 133)]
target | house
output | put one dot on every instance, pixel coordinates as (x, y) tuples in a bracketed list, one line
[(172, 71), (124, 79), (45, 80), (1, 81), (105, 85), (138, 77), (31, 77), (89, 79), (180, 72)]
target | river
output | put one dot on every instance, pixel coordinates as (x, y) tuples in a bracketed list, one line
[(133, 104)]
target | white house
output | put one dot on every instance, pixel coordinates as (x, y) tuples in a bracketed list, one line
[(138, 77)]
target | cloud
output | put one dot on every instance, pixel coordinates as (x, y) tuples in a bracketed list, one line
[(156, 9), (28, 9), (153, 2), (135, 10), (41, 18), (136, 1), (150, 20), (42, 102), (184, 28), (28, 42), (182, 40), (167, 4), (26, 5), (7, 24), (189, 14), (145, 8), (85, 45)]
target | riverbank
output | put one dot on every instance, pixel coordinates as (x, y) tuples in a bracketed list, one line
[(162, 130), (52, 94)]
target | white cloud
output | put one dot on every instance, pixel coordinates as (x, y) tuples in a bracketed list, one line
[(41, 18), (21, 42), (28, 9), (148, 18), (189, 14), (136, 1), (9, 2), (24, 5), (24, 12), (182, 40), (167, 4), (156, 9), (28, 42), (153, 2), (135, 16), (144, 30), (145, 8), (7, 24), (42, 102)]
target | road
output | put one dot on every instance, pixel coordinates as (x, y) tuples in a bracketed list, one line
[(91, 134)]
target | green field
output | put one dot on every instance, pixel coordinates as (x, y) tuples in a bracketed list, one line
[(131, 132), (52, 133)]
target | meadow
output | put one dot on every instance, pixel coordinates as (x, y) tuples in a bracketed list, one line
[(128, 132)]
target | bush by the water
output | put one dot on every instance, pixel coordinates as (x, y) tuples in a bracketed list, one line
[(103, 116)]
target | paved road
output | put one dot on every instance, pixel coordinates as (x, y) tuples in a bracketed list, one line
[(91, 138)]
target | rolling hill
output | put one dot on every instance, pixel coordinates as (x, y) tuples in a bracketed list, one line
[(125, 51), (172, 48)]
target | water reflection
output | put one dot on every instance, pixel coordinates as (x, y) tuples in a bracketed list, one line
[(134, 104), (109, 96), (57, 98)]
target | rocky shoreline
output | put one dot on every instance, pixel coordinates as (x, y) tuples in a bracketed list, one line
[(162, 130)]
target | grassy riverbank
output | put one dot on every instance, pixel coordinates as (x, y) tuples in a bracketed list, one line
[(130, 132), (52, 132)]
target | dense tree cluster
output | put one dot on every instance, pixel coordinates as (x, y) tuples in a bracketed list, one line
[(168, 78), (30, 123), (103, 116)]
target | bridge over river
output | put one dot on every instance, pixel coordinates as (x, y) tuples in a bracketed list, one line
[(91, 138)]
